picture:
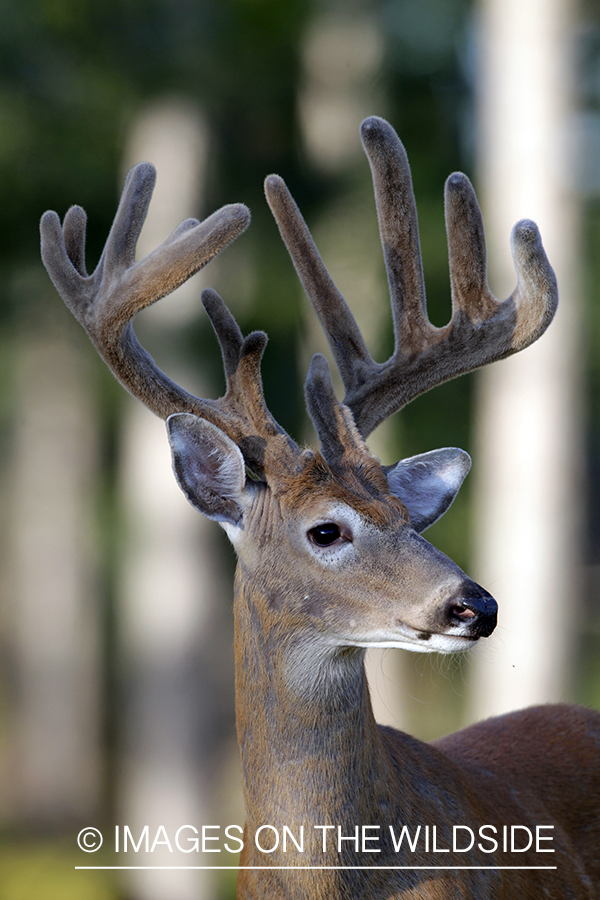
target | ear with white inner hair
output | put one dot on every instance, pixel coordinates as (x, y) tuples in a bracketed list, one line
[(427, 484), (208, 466)]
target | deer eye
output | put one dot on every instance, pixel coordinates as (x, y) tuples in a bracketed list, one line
[(326, 534)]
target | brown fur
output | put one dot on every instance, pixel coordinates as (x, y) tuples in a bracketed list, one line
[(312, 753), (360, 483), (319, 758)]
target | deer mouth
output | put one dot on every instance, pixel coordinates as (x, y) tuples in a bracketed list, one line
[(421, 640), (405, 637)]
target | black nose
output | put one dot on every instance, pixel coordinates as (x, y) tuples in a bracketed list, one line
[(473, 606)]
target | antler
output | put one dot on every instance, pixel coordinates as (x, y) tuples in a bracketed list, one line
[(106, 302), (482, 329)]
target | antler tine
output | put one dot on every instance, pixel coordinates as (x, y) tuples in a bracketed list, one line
[(226, 329), (332, 420), (536, 295), (241, 361), (399, 231), (119, 251), (343, 334), (243, 413), (106, 301), (74, 227), (466, 250)]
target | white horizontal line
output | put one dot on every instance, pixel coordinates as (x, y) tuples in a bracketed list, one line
[(394, 868)]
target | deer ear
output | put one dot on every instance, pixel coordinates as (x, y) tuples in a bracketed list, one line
[(427, 484), (208, 466)]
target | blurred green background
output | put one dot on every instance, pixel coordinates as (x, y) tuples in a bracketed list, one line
[(76, 79)]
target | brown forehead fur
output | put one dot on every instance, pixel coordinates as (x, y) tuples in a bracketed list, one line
[(359, 482)]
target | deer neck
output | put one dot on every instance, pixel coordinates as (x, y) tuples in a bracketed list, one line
[(305, 724)]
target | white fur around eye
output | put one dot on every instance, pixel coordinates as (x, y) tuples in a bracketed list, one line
[(350, 524)]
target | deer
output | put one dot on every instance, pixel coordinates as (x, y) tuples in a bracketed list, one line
[(331, 561)]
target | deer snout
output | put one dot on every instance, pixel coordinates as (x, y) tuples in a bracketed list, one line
[(473, 607)]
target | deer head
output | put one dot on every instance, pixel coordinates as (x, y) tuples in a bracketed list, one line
[(329, 539)]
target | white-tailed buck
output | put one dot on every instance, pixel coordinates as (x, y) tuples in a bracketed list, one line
[(331, 561)]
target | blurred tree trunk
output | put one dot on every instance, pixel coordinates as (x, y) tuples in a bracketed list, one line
[(173, 642), (55, 772), (528, 458)]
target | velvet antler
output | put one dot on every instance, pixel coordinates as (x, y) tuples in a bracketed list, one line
[(106, 302), (482, 329)]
